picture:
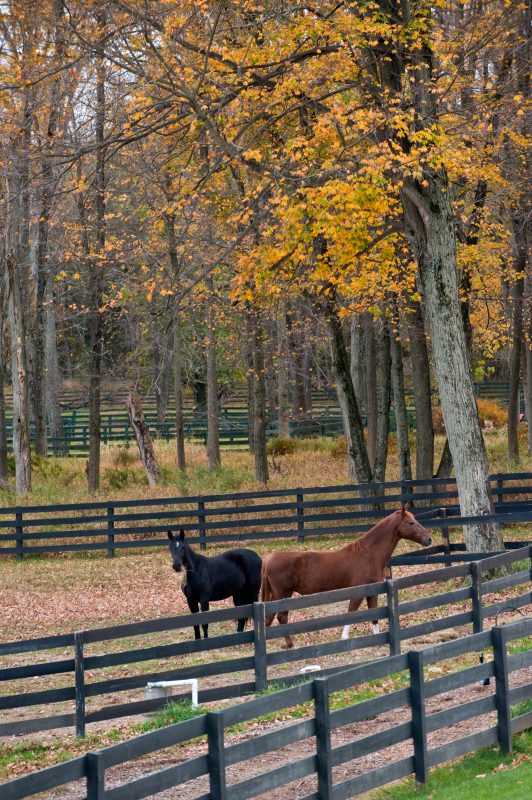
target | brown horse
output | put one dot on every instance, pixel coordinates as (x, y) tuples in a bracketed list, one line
[(358, 563)]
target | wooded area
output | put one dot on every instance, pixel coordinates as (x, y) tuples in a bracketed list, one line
[(279, 196)]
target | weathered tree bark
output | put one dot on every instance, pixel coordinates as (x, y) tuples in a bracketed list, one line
[(97, 267), (371, 387), (401, 416), (445, 467), (422, 395), (259, 403), (383, 366), (53, 378), (250, 381), (171, 238), (429, 220), (21, 434), (213, 406), (357, 454), (178, 392), (357, 358), (144, 442), (515, 354), (4, 474), (42, 266), (283, 395)]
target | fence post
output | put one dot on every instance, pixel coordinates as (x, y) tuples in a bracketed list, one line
[(502, 690), (19, 534), (79, 672), (419, 724), (300, 511), (201, 523), (500, 490), (259, 646), (394, 628), (445, 534), (323, 737), (476, 596), (216, 755), (95, 774), (110, 531)]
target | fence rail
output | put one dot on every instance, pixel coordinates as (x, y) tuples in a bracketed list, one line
[(413, 723), (246, 516), (259, 660)]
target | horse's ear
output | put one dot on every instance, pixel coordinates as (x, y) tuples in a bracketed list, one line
[(404, 509), (181, 534), (170, 535)]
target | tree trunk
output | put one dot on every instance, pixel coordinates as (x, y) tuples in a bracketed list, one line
[(4, 474), (96, 281), (357, 358), (517, 338), (383, 366), (53, 379), (250, 381), (213, 406), (371, 387), (40, 392), (282, 375), (429, 220), (178, 391), (401, 417), (259, 403), (422, 395), (357, 455), (21, 434), (144, 442), (445, 467)]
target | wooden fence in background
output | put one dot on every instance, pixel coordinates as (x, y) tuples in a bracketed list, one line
[(258, 660), (407, 706), (299, 513)]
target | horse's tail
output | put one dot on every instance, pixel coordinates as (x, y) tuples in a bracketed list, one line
[(265, 585)]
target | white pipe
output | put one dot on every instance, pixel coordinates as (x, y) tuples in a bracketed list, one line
[(192, 682)]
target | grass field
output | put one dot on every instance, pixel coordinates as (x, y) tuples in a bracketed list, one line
[(484, 774)]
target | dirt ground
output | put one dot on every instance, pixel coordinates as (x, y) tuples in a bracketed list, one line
[(41, 597), (240, 772)]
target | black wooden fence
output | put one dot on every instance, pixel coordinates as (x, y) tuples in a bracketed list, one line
[(407, 706), (247, 516), (257, 659)]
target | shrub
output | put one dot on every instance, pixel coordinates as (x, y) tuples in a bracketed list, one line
[(339, 447), (489, 410), (279, 446), (118, 479), (123, 457)]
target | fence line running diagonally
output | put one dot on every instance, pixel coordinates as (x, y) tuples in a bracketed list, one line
[(476, 603), (302, 513), (328, 731)]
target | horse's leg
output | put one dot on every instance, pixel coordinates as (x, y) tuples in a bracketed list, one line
[(204, 603), (194, 608), (241, 599), (282, 616), (372, 603), (353, 606)]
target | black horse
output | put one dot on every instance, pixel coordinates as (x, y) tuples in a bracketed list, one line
[(235, 574)]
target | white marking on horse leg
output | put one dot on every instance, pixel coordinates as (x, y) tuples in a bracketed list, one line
[(345, 631), (375, 627)]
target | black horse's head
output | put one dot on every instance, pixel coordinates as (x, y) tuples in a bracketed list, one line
[(177, 549)]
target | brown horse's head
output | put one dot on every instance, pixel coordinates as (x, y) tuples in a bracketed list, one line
[(410, 528)]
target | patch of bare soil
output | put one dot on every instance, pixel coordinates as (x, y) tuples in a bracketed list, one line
[(129, 772)]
